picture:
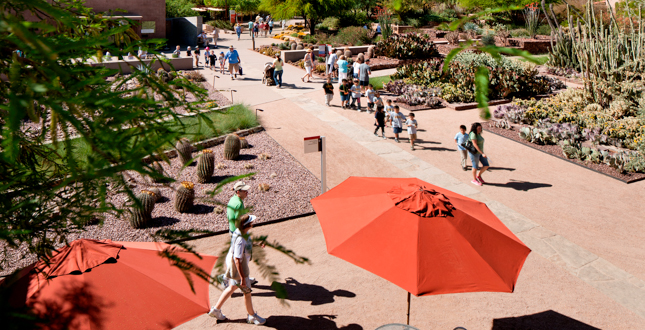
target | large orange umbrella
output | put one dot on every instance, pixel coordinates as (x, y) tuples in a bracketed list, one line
[(423, 238), (93, 284)]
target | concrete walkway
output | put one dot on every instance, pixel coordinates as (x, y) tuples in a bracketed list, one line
[(586, 229)]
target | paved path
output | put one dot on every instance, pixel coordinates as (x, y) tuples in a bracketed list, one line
[(576, 221)]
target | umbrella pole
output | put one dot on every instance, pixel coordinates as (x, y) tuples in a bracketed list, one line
[(408, 323)]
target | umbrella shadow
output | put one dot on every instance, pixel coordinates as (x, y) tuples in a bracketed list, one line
[(312, 322), (520, 185), (546, 320), (297, 291), (201, 209)]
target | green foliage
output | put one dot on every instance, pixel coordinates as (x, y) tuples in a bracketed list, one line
[(378, 82), (352, 36), (331, 23), (409, 46), (519, 33), (315, 11), (488, 39), (180, 8), (221, 24)]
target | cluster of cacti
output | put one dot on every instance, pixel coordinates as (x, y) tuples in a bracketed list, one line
[(184, 150), (616, 160), (220, 166), (232, 147), (300, 47), (141, 213), (184, 196), (205, 166), (249, 166), (265, 156), (244, 144), (609, 52), (537, 135), (503, 123), (293, 46), (370, 52), (264, 187)]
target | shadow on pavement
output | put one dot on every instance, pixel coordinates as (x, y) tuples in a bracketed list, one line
[(313, 322), (293, 86), (297, 291), (547, 320), (493, 168), (520, 185)]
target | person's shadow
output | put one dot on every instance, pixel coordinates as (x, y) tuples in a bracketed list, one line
[(520, 185), (312, 322), (297, 291)]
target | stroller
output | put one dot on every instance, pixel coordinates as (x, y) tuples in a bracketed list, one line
[(267, 78)]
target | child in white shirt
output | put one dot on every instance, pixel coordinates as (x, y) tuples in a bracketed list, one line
[(412, 129), (356, 95)]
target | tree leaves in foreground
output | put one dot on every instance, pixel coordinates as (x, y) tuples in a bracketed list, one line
[(48, 186)]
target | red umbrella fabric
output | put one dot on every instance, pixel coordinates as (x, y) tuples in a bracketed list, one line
[(93, 284), (423, 238)]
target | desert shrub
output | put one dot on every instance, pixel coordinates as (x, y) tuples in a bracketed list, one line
[(330, 23), (417, 23), (267, 50), (519, 33), (452, 37), (194, 76), (221, 24), (470, 26), (409, 46), (308, 38), (353, 35), (544, 30), (488, 39)]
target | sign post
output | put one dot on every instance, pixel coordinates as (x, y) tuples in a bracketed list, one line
[(317, 144)]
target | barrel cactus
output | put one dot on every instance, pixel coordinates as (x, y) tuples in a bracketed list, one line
[(300, 47), (347, 53), (205, 166), (184, 150), (293, 46), (157, 167), (157, 193), (244, 144), (339, 53), (184, 197), (140, 215), (232, 147)]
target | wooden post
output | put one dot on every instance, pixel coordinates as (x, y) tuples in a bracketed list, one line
[(408, 322)]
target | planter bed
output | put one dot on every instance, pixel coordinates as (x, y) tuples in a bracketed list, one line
[(556, 151), (290, 191)]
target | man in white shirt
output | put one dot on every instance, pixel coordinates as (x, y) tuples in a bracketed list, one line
[(331, 62)]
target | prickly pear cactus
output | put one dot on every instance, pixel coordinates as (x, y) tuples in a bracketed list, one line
[(184, 150), (244, 144), (184, 197), (140, 215), (205, 166), (232, 147)]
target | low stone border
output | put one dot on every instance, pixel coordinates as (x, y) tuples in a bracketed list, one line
[(474, 105), (172, 153)]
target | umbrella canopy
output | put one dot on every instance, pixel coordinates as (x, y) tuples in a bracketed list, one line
[(423, 238), (93, 284)]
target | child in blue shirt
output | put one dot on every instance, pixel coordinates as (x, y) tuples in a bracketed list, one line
[(460, 138)]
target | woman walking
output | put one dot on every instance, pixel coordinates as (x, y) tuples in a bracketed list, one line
[(277, 72), (475, 136), (308, 66), (238, 31)]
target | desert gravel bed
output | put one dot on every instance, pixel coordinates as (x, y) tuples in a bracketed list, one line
[(292, 186)]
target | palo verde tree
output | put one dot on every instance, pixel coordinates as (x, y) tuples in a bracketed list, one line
[(314, 11)]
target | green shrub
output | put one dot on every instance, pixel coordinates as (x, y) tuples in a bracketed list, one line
[(308, 38), (544, 30), (519, 33), (295, 34), (417, 23), (409, 46), (330, 23), (221, 24), (353, 35), (488, 39), (470, 26)]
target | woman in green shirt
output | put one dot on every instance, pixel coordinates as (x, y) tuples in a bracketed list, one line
[(277, 73), (478, 142)]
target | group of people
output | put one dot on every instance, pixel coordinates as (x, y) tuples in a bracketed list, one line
[(473, 150), (261, 25), (212, 61)]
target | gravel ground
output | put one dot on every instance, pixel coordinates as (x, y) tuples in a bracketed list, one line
[(292, 186), (555, 150)]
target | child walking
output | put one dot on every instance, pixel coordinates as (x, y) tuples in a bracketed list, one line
[(379, 121), (356, 95), (344, 93), (370, 95), (460, 138), (213, 60), (222, 61), (396, 121), (412, 129), (329, 91)]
